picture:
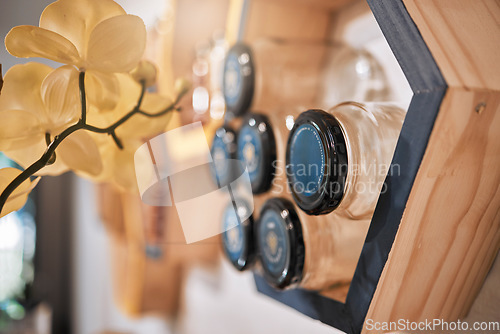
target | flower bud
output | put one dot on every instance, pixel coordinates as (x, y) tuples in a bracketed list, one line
[(145, 71), (181, 86)]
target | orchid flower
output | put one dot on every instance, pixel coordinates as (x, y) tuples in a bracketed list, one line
[(31, 120), (97, 37), (119, 162), (89, 115)]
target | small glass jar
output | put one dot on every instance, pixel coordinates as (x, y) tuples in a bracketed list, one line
[(223, 150), (272, 74), (338, 160), (262, 146), (313, 252), (237, 238), (257, 149)]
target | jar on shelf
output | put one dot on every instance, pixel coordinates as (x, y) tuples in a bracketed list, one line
[(272, 74), (338, 160), (223, 151), (237, 238), (262, 146), (311, 252)]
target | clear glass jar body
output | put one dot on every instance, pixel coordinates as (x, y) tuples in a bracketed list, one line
[(371, 132), (315, 75), (338, 160), (286, 74), (312, 252), (332, 244)]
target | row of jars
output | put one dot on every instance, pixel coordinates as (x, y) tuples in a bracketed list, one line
[(316, 175)]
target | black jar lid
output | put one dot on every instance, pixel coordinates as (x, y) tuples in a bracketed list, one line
[(316, 162), (279, 240), (223, 150), (238, 79), (237, 238), (257, 149)]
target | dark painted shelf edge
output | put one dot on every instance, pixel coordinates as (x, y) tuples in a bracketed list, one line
[(429, 87)]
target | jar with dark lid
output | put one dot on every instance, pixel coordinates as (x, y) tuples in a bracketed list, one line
[(223, 150), (262, 146), (279, 240), (271, 74), (257, 149), (237, 238), (338, 160), (313, 252)]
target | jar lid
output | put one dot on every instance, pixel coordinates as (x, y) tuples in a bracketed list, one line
[(237, 238), (223, 150), (280, 243), (257, 149), (316, 162), (238, 79)]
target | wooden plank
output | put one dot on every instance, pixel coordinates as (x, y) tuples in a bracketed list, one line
[(450, 231), (464, 38), (331, 5), (249, 20)]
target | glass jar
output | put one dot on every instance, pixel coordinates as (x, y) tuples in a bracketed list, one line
[(262, 146), (272, 74), (237, 238), (313, 252), (223, 150), (338, 160)]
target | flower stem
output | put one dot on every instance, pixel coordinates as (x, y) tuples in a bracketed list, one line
[(83, 98), (81, 125)]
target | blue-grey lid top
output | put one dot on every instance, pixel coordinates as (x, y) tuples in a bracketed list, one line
[(257, 150), (238, 79), (316, 162), (223, 150), (307, 160), (237, 238), (280, 243)]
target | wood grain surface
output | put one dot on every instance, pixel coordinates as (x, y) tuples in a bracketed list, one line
[(450, 231), (463, 37)]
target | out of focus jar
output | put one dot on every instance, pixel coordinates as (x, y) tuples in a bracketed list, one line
[(223, 151), (338, 160), (261, 146), (272, 75), (237, 238), (313, 252)]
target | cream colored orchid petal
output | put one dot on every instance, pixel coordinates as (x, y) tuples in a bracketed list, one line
[(129, 95), (117, 44), (143, 127), (21, 88), (30, 41), (19, 129), (26, 156), (19, 196), (124, 171), (61, 96), (80, 153), (103, 90), (75, 19)]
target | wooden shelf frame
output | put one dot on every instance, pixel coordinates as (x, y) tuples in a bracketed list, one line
[(453, 115)]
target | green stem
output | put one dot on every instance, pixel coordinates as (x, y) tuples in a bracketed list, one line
[(81, 125)]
